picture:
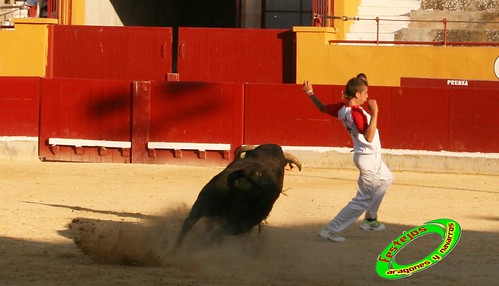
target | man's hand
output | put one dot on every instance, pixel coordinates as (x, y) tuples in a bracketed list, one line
[(373, 106), (307, 87)]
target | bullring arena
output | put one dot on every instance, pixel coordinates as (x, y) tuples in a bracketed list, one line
[(113, 224), (112, 122)]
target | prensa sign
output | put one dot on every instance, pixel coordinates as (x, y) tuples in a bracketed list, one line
[(386, 265)]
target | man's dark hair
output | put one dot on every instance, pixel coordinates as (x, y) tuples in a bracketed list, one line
[(353, 86), (362, 76)]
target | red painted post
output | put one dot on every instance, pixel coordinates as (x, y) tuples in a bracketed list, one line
[(316, 20), (377, 30), (141, 117), (331, 10), (32, 12), (445, 31), (53, 9)]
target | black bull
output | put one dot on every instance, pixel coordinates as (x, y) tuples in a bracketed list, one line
[(243, 194)]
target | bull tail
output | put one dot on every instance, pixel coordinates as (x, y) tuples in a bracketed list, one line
[(189, 222)]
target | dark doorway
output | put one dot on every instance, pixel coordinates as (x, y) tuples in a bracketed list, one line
[(178, 13)]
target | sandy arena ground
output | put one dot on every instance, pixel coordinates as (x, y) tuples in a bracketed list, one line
[(113, 224)]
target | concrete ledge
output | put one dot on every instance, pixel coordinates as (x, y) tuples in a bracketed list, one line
[(403, 160), (18, 148), (35, 21), (443, 163), (26, 149)]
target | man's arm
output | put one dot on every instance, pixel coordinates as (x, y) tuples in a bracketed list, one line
[(373, 125), (307, 88), (321, 106)]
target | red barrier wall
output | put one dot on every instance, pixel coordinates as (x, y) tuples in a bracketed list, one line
[(285, 115), (123, 53), (230, 55), (282, 114), (461, 114), (194, 113), (474, 120), (85, 109), (19, 100), (419, 120), (201, 115), (432, 119)]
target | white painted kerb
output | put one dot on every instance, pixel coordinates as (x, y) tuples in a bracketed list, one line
[(188, 146), (89, 143)]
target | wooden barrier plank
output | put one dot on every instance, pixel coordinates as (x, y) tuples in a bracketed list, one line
[(283, 114), (85, 114), (104, 52), (20, 105), (246, 55), (197, 120), (473, 120)]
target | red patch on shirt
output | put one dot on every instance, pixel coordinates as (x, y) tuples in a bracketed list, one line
[(359, 119)]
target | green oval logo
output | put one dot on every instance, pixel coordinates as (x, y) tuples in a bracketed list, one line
[(386, 265)]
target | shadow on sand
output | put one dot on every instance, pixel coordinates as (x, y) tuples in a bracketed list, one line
[(292, 255)]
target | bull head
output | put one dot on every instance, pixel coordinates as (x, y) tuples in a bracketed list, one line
[(290, 158)]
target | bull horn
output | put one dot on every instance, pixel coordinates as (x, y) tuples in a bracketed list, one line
[(292, 159), (244, 149)]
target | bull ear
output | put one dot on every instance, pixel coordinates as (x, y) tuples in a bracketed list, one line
[(292, 160), (243, 149)]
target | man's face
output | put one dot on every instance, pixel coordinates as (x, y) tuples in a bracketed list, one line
[(362, 95)]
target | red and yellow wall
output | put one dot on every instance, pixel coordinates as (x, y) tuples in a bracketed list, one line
[(103, 84), (25, 52)]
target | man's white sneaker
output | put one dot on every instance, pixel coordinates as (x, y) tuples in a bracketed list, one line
[(326, 234), (371, 225)]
